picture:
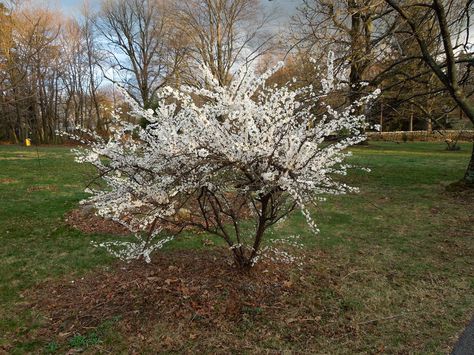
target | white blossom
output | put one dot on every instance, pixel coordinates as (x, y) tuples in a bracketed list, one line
[(216, 147)]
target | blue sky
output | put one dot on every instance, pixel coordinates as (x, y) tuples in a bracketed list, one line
[(285, 8), (66, 5)]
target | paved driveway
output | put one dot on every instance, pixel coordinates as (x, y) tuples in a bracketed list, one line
[(465, 344)]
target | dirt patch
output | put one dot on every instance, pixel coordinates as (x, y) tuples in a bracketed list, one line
[(8, 181), (14, 158), (52, 188), (87, 222), (181, 286)]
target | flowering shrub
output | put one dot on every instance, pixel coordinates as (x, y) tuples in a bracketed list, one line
[(208, 158)]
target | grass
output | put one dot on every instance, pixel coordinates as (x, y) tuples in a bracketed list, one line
[(399, 257)]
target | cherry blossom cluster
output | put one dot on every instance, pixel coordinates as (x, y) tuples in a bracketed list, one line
[(210, 157)]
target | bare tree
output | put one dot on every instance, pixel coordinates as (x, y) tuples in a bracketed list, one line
[(221, 33), (92, 56), (356, 30), (32, 80), (48, 75), (137, 36), (449, 25)]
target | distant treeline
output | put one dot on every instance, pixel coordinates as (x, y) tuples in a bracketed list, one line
[(57, 72)]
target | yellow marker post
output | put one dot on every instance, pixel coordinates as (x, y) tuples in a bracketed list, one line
[(28, 142)]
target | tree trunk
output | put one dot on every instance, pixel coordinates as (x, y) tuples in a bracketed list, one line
[(14, 135), (381, 117), (261, 227), (469, 176), (355, 75)]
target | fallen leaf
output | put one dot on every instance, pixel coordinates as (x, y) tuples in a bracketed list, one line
[(287, 284)]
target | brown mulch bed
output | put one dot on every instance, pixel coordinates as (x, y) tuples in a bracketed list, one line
[(85, 220), (177, 286), (89, 223)]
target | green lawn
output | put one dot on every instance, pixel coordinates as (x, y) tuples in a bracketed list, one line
[(400, 254)]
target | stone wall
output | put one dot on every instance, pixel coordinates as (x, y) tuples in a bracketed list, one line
[(422, 136)]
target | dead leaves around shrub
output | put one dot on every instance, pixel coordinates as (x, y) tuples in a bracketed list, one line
[(178, 287), (85, 220)]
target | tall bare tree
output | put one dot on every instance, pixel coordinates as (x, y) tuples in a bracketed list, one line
[(221, 33), (356, 30), (48, 75), (93, 59), (137, 35), (450, 26)]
